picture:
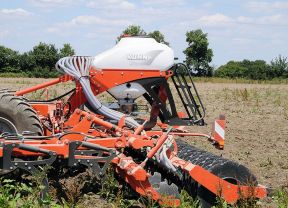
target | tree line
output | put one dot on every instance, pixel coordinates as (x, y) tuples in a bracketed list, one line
[(256, 70), (40, 61)]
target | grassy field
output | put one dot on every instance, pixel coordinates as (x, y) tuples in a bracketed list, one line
[(257, 123)]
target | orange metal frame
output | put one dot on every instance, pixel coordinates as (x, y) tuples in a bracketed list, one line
[(117, 137), (134, 174)]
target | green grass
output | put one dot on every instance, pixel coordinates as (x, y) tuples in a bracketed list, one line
[(14, 75), (15, 194), (196, 79), (238, 80), (281, 197)]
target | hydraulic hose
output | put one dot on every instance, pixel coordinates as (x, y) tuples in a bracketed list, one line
[(78, 67)]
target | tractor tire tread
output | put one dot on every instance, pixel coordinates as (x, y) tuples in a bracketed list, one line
[(219, 166), (20, 112)]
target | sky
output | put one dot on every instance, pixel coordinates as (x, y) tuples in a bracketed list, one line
[(237, 29)]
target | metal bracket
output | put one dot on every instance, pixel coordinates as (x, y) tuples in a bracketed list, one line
[(7, 162), (95, 157)]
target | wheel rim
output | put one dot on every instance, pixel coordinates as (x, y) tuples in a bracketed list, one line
[(7, 126)]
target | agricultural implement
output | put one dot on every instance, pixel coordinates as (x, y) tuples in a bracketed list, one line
[(77, 130)]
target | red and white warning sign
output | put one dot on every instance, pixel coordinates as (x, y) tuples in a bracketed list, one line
[(219, 131)]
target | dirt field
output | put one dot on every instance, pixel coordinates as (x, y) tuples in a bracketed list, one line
[(257, 124)]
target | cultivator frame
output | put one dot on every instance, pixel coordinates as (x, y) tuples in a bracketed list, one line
[(76, 137), (75, 149)]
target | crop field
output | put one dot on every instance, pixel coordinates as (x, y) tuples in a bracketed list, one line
[(257, 125)]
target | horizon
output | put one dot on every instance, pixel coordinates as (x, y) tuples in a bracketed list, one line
[(236, 30)]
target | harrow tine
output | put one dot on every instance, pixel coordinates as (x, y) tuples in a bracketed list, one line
[(142, 182), (163, 187), (7, 163), (86, 156)]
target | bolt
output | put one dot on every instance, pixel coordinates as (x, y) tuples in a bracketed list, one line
[(74, 164), (79, 160), (149, 193), (11, 168), (88, 161), (29, 168), (26, 164), (15, 164), (91, 164)]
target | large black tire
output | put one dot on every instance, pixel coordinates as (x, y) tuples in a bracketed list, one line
[(16, 114), (223, 168)]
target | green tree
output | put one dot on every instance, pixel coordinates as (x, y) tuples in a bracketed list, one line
[(158, 36), (9, 60), (232, 69), (198, 55), (279, 66), (258, 69), (45, 55), (132, 30), (27, 62), (136, 30), (67, 50)]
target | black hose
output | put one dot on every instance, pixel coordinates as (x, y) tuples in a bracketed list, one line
[(53, 99)]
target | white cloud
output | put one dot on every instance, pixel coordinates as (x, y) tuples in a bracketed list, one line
[(221, 20), (244, 19), (208, 4), (94, 20), (277, 19), (215, 20), (4, 34), (261, 6), (163, 3), (111, 4), (15, 12), (53, 3), (88, 20)]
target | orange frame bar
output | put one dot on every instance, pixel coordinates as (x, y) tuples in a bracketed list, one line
[(41, 86)]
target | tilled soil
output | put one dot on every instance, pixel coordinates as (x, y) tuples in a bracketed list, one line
[(257, 127), (257, 124)]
